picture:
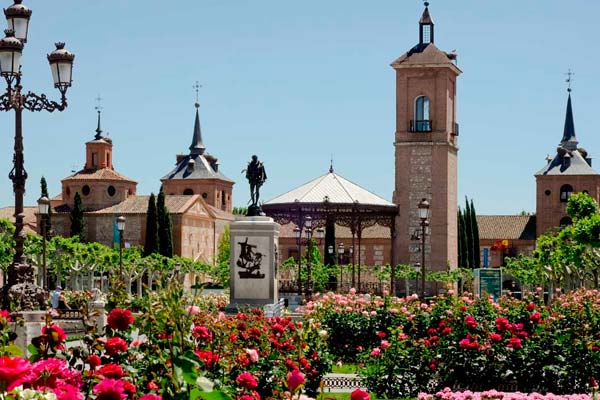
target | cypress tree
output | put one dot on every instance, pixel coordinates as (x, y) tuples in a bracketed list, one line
[(77, 221), (469, 233), (462, 241), (475, 228), (165, 230), (47, 218), (151, 242)]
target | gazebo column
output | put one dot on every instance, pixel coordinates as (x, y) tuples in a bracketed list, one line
[(330, 259), (353, 231), (359, 235)]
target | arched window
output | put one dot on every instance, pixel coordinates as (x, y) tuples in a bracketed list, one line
[(565, 221), (565, 192), (421, 123), (188, 192)]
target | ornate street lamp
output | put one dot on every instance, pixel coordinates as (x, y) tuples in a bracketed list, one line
[(423, 215), (43, 209), (121, 229), (297, 235), (20, 287)]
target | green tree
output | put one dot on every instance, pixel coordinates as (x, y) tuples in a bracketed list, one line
[(221, 272), (469, 233), (165, 229), (475, 231), (47, 218), (580, 206), (151, 242), (77, 219), (463, 255)]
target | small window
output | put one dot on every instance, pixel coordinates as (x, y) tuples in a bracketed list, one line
[(85, 190), (95, 160), (565, 193), (421, 123), (188, 192), (547, 192), (204, 195), (111, 190), (565, 221)]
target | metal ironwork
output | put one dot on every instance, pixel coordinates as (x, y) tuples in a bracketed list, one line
[(355, 216), (21, 290), (420, 125)]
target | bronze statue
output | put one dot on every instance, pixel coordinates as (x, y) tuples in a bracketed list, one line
[(256, 175)]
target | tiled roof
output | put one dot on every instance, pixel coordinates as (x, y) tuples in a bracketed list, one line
[(498, 227), (201, 169), (342, 232), (337, 189), (29, 220), (424, 54), (577, 165), (176, 204), (98, 174)]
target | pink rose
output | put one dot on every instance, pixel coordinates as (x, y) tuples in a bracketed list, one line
[(252, 355), (359, 395), (295, 379)]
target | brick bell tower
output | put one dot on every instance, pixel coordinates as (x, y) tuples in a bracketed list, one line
[(426, 146)]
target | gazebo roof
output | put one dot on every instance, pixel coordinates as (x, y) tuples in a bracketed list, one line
[(331, 188)]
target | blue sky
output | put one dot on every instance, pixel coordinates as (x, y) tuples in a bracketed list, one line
[(297, 82)]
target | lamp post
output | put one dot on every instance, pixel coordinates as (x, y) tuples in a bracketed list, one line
[(423, 215), (340, 255), (331, 251), (20, 283), (417, 272), (297, 235), (43, 208), (121, 228)]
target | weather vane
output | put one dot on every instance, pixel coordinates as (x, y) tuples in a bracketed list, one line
[(426, 3), (197, 86), (569, 79), (98, 105)]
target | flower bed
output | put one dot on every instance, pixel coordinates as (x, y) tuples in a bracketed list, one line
[(407, 347), (448, 394)]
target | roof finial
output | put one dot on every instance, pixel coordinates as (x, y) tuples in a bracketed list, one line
[(331, 165), (569, 79), (99, 109), (426, 3), (197, 86)]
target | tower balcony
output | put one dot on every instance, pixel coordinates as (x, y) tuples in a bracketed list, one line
[(420, 125)]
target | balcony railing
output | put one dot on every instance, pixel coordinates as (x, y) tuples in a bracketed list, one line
[(418, 125), (456, 129)]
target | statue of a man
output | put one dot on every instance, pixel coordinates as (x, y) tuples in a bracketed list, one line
[(256, 175)]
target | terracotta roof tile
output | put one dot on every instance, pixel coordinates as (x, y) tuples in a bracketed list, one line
[(498, 227), (99, 174), (220, 214), (29, 220), (139, 205)]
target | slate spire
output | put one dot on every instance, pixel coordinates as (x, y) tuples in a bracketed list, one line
[(569, 141), (197, 147)]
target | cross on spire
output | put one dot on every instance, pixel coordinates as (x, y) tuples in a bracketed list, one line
[(99, 109), (331, 165), (569, 79), (197, 87)]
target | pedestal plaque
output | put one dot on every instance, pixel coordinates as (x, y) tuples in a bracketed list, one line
[(253, 262)]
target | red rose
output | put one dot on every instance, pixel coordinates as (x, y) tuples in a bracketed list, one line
[(150, 396), (470, 322), (129, 388), (530, 306), (115, 345), (112, 371), (359, 395), (55, 333), (152, 386), (502, 325), (202, 333), (247, 381), (110, 389), (94, 361), (535, 317), (447, 330), (495, 337), (514, 342), (13, 371), (119, 319), (294, 380)]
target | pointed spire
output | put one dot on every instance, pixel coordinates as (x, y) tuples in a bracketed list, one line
[(197, 147), (331, 165), (98, 108), (569, 141), (426, 26)]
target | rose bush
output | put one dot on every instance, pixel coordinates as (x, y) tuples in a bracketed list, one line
[(466, 342)]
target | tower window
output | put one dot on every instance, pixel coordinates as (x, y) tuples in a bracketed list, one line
[(95, 160), (111, 190), (426, 33), (547, 192), (565, 221), (188, 192), (85, 190), (565, 193), (421, 123), (204, 195)]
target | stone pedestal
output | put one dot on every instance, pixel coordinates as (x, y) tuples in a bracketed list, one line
[(33, 321), (253, 262), (98, 310)]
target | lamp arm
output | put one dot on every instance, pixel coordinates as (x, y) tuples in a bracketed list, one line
[(34, 102)]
